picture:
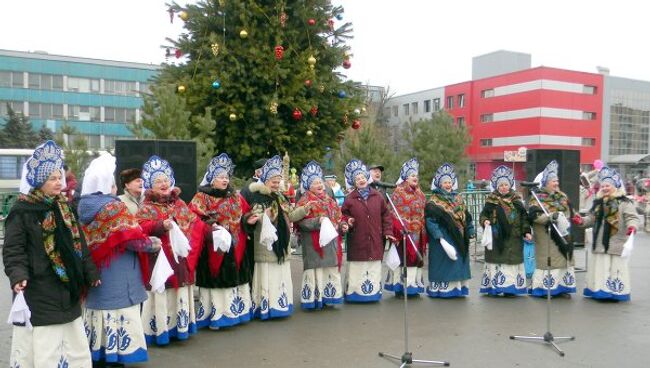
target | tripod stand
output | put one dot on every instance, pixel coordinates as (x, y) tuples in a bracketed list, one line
[(407, 357), (548, 337)]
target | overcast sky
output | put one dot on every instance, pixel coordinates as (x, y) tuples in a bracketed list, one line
[(408, 45)]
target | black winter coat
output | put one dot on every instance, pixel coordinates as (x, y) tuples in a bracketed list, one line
[(24, 258)]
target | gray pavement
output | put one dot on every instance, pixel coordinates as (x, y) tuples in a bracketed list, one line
[(471, 332)]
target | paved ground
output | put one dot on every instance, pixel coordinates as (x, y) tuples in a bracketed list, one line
[(471, 332)]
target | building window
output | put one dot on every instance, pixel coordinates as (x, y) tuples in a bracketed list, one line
[(414, 108), (83, 113), (487, 118), (589, 142), (122, 88), (590, 90), (405, 107), (436, 104), (16, 106), (450, 102), (5, 79), (144, 88), (93, 141), (45, 81), (427, 105), (486, 93), (395, 111), (586, 115), (386, 111), (118, 115), (109, 142), (84, 85), (460, 121), (486, 142), (461, 100), (17, 79), (45, 111)]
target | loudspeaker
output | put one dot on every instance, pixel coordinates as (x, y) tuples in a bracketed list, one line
[(569, 175), (181, 155)]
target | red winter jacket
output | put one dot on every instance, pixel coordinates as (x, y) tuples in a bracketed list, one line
[(372, 223)]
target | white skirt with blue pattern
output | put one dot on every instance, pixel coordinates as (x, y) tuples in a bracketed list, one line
[(116, 336), (560, 281), (63, 345), (414, 283), (504, 279), (321, 287), (223, 307), (608, 277), (363, 284), (169, 315), (272, 290)]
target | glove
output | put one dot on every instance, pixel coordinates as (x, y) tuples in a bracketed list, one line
[(631, 230), (577, 220)]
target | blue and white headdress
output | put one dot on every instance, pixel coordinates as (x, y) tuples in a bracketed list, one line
[(409, 167), (154, 168), (609, 175), (354, 168), (446, 171), (502, 174), (549, 173), (218, 165), (272, 167), (47, 158), (310, 172)]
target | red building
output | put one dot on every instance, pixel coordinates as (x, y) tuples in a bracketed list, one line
[(538, 108)]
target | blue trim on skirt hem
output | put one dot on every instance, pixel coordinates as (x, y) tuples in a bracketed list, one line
[(603, 295), (454, 293)]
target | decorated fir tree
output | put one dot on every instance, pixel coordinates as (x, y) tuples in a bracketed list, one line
[(270, 73)]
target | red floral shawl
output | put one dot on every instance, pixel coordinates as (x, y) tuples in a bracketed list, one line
[(110, 231), (326, 207), (410, 203), (227, 212)]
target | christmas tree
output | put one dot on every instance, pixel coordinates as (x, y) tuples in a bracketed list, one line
[(269, 73)]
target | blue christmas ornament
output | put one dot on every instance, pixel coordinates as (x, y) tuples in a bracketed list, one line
[(342, 94), (216, 85), (339, 16)]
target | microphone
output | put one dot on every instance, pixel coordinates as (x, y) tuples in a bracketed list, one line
[(383, 184), (529, 184)]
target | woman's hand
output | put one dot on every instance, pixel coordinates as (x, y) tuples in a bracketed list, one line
[(351, 221), (156, 243), (528, 237), (391, 238), (167, 224), (577, 219), (96, 283), (344, 228), (20, 286), (252, 219), (486, 223)]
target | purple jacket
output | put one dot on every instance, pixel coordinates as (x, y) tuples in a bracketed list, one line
[(372, 223)]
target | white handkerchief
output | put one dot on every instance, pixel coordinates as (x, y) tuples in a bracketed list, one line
[(486, 240), (268, 234), (20, 312), (221, 239), (327, 232), (449, 249), (392, 258), (628, 246), (179, 243), (160, 273)]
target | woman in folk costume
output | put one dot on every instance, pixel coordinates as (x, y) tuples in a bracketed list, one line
[(504, 212), (409, 202), (321, 278), (169, 314), (450, 227), (548, 243), (112, 310), (370, 221), (614, 218), (47, 262), (222, 273), (272, 287)]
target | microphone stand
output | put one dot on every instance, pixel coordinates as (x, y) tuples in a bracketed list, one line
[(548, 337), (407, 356)]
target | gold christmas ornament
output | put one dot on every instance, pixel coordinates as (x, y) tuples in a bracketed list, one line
[(321, 88), (310, 133), (232, 116), (215, 49), (347, 53), (273, 108), (311, 60), (363, 110), (181, 88), (243, 33), (183, 15)]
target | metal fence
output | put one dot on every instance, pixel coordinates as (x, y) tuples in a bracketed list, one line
[(7, 200)]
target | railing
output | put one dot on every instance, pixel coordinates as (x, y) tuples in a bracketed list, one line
[(7, 200)]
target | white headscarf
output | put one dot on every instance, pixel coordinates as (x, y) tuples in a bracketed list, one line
[(100, 175)]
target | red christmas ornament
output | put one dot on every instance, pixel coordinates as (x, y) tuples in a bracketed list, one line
[(356, 124), (297, 114), (347, 64), (313, 111), (279, 52), (308, 83), (311, 22), (178, 53)]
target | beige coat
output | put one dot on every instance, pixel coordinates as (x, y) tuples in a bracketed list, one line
[(261, 253), (132, 203), (545, 245), (627, 217)]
